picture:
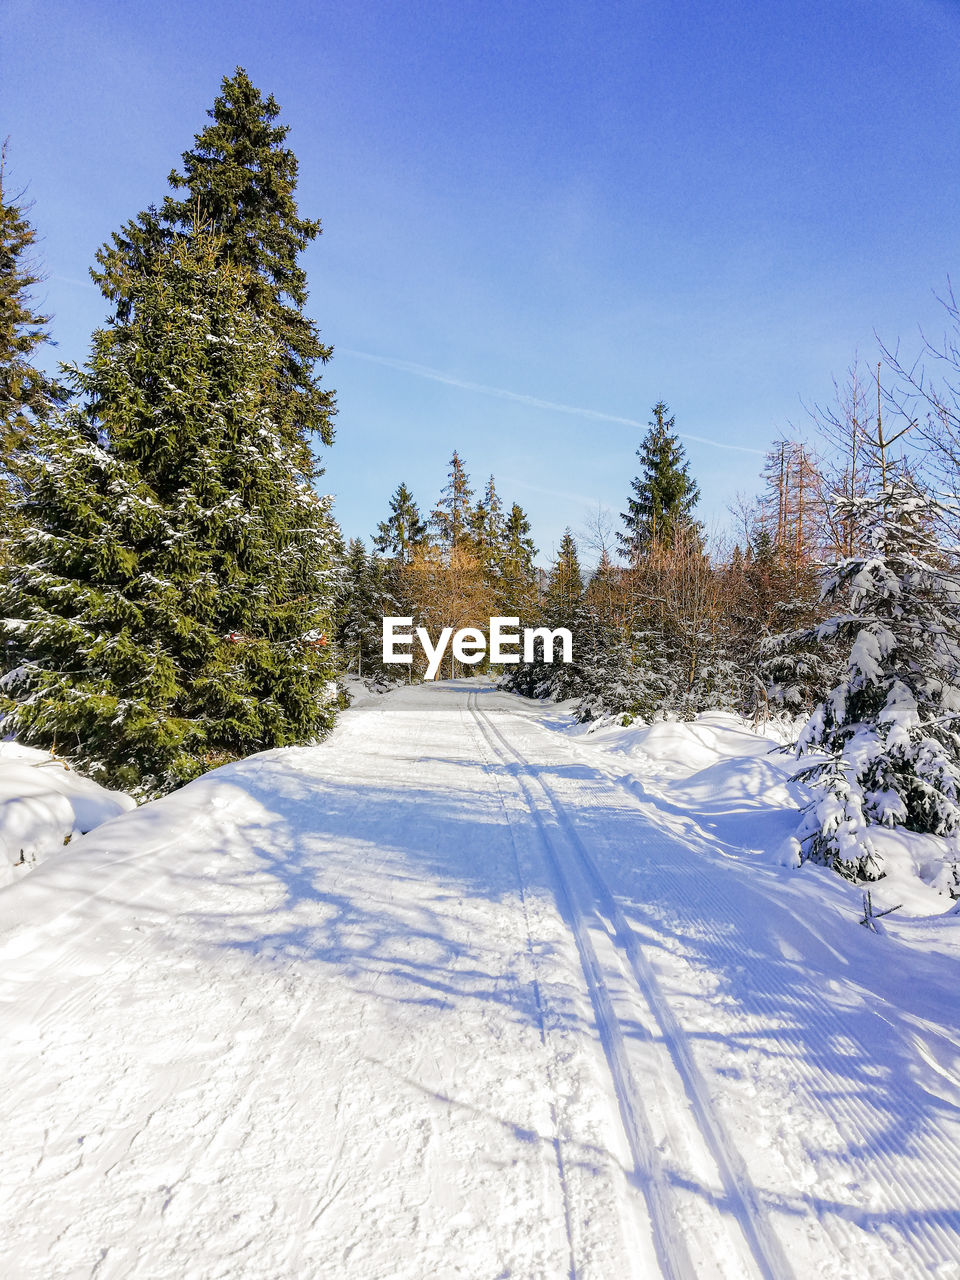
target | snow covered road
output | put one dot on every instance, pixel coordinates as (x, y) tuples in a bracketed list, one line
[(446, 996)]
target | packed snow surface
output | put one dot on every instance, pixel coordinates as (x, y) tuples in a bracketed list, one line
[(464, 993)]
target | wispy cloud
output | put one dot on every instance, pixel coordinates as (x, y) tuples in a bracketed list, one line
[(436, 375), (81, 284)]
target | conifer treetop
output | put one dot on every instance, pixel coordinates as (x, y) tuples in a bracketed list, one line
[(240, 180), (452, 516), (244, 179), (664, 493), (403, 531), (565, 583), (26, 393)]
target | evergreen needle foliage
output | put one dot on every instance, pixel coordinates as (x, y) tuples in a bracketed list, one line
[(240, 180), (366, 597), (27, 395), (453, 517), (169, 592), (403, 532), (664, 494), (890, 728)]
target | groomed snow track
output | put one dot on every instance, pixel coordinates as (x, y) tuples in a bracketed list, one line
[(591, 910), (447, 996)]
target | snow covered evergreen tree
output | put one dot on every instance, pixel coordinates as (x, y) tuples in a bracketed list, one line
[(171, 592), (366, 597), (890, 728), (664, 494), (517, 587), (240, 180), (27, 394)]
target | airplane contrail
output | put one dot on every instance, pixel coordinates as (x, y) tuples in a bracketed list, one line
[(82, 284), (435, 375), (552, 493)]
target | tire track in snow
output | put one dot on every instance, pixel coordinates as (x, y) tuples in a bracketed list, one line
[(750, 1213)]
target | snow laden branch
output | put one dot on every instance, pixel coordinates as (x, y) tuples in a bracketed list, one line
[(884, 742)]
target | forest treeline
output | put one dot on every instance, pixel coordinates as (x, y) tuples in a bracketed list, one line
[(836, 602), (174, 593)]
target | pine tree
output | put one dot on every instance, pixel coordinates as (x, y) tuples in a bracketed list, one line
[(564, 585), (366, 597), (27, 395), (891, 726), (399, 536), (664, 494), (240, 180), (488, 529), (517, 588), (452, 516), (170, 591), (561, 607)]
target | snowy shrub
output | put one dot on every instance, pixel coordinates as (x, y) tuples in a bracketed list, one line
[(889, 726)]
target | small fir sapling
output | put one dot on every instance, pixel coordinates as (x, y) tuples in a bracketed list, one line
[(890, 727)]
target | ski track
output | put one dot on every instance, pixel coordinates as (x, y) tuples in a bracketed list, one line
[(442, 997), (672, 1250), (911, 1164), (558, 1143)]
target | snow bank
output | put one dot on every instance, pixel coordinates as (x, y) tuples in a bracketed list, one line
[(740, 789), (43, 804), (364, 692), (675, 748)]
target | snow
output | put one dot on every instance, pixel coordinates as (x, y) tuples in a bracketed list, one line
[(44, 804), (739, 788), (467, 991), (866, 655)]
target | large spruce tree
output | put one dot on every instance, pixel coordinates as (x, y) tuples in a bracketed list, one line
[(27, 394), (170, 592), (664, 494), (564, 585), (240, 180)]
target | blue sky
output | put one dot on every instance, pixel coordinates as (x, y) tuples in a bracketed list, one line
[(532, 208)]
